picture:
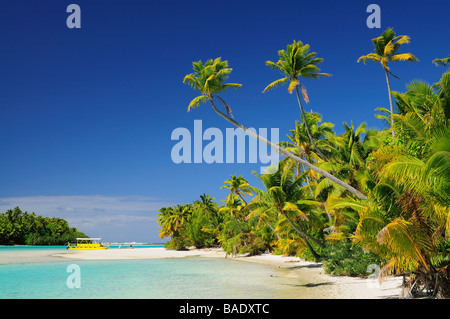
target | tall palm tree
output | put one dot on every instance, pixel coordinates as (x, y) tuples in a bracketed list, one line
[(297, 62), (210, 79), (386, 50), (238, 186)]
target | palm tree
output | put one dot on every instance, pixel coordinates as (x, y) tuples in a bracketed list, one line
[(413, 190), (441, 62), (299, 143), (238, 186), (297, 62), (210, 79), (423, 109), (349, 151), (171, 219), (211, 213), (234, 207), (166, 229), (386, 49), (285, 196), (407, 220)]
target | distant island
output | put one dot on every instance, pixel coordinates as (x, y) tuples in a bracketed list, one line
[(22, 228)]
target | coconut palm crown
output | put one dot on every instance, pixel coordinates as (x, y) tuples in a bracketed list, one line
[(210, 79), (386, 49), (297, 62)]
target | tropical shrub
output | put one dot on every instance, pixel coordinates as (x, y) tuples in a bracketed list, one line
[(344, 258)]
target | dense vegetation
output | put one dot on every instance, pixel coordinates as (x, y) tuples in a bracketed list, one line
[(18, 228), (362, 197)]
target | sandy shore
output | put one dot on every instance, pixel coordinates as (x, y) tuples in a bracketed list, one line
[(323, 286), (299, 272)]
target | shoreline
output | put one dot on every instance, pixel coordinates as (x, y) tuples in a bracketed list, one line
[(295, 271), (304, 273)]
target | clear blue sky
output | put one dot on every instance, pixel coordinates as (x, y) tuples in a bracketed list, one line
[(86, 114)]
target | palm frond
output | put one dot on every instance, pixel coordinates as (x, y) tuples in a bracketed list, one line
[(192, 81), (371, 56), (389, 48), (402, 39), (403, 57), (304, 93), (275, 84), (196, 101), (294, 82), (441, 62), (405, 240)]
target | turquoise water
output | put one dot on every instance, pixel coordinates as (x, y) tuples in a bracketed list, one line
[(18, 248), (150, 278)]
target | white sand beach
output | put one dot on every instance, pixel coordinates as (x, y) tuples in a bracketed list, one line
[(302, 273)]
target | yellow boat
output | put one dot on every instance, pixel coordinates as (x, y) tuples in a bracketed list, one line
[(87, 244)]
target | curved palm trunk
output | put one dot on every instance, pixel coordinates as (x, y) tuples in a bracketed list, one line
[(290, 155), (242, 198), (237, 223), (239, 226), (273, 229), (307, 126), (390, 102), (305, 237)]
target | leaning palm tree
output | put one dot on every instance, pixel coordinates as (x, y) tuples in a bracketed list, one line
[(386, 49), (297, 62), (210, 79)]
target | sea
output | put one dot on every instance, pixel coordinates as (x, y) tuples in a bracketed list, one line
[(180, 278)]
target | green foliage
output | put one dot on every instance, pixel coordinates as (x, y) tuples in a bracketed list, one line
[(190, 225), (22, 228), (385, 198), (345, 259)]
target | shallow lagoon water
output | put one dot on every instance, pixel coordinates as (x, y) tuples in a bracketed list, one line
[(150, 278)]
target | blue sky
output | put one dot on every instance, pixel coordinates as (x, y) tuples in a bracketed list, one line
[(86, 114)]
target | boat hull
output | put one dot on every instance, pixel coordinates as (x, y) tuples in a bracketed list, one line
[(87, 247)]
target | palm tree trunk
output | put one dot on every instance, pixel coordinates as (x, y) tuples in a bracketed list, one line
[(390, 102), (290, 155), (307, 126), (301, 232), (305, 237), (237, 223), (240, 229), (242, 198), (273, 229)]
